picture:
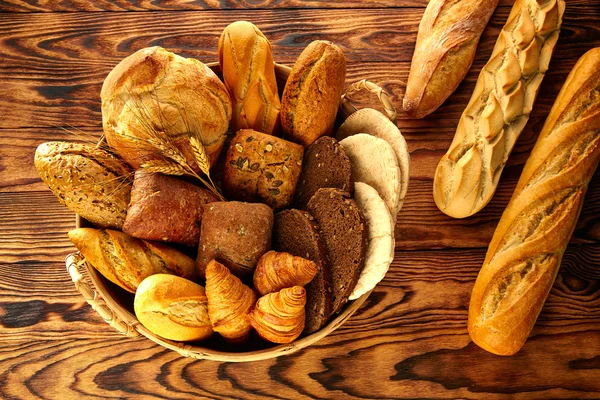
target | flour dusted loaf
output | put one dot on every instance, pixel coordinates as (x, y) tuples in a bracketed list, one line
[(173, 307), (446, 42), (345, 233), (298, 233), (165, 208), (248, 69), (325, 164), (312, 93), (154, 96), (88, 180), (467, 175), (524, 255), (127, 261), (235, 234), (262, 168)]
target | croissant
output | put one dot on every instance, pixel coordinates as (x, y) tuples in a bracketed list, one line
[(229, 303), (276, 271), (279, 317)]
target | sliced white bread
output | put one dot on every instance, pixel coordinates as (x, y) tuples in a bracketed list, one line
[(380, 248), (373, 162), (368, 120)]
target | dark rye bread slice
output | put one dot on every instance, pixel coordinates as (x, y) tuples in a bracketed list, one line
[(325, 165), (296, 232), (344, 229)]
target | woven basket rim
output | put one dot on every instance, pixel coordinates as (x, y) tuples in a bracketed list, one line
[(205, 353)]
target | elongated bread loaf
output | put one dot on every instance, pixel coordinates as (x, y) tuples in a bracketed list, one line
[(448, 35), (249, 73), (525, 252), (467, 176)]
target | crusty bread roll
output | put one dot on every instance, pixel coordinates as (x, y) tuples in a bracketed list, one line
[(446, 42), (249, 73), (154, 95), (88, 180), (527, 247), (126, 261), (173, 307), (312, 93), (467, 176)]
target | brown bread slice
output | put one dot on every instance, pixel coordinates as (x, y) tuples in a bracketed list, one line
[(325, 165), (344, 230), (297, 233)]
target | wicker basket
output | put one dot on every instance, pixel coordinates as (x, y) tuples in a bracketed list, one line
[(115, 305)]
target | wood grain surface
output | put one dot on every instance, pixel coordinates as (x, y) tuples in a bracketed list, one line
[(409, 340)]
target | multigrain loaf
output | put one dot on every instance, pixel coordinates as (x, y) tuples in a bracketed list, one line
[(297, 232), (155, 99), (311, 96), (374, 163), (248, 69), (446, 42), (262, 168), (127, 261), (467, 175), (173, 307), (236, 234), (166, 208), (368, 120), (325, 164), (345, 233), (88, 180), (524, 255)]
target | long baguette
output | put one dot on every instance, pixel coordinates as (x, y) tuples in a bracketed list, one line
[(448, 35), (467, 176), (527, 247)]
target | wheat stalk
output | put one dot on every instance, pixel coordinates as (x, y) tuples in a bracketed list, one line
[(164, 167)]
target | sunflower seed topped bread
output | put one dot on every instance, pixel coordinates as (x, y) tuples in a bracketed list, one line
[(368, 120), (127, 261), (88, 180), (262, 168), (236, 234), (165, 208), (345, 233), (249, 73), (325, 164), (296, 232), (446, 42), (173, 307), (312, 93), (467, 175), (154, 100), (524, 255), (374, 163), (380, 250)]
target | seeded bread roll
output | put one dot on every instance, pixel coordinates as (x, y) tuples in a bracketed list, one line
[(235, 234), (262, 168), (524, 255), (127, 261), (165, 208), (312, 93), (89, 181), (448, 35), (467, 175), (173, 307), (249, 73)]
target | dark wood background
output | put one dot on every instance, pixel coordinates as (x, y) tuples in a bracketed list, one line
[(408, 340)]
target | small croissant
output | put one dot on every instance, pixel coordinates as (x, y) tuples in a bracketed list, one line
[(279, 317), (276, 271), (229, 303)]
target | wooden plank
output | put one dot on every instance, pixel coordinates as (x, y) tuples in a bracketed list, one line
[(16, 6), (413, 323)]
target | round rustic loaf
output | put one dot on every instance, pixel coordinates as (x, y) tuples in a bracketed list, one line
[(154, 95)]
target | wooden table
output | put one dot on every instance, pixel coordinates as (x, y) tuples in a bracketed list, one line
[(408, 340)]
